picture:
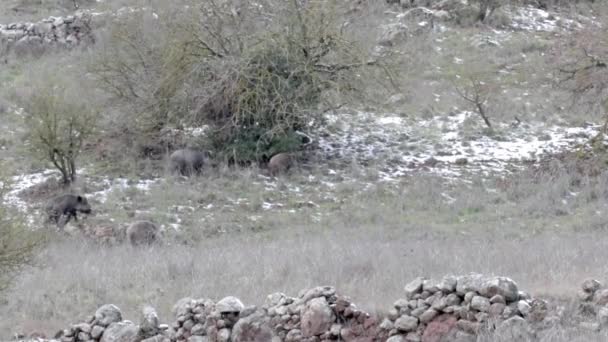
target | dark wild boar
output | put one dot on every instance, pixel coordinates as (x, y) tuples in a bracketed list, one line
[(62, 208)]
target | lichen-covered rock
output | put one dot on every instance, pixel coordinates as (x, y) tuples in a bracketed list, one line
[(149, 325), (124, 331), (406, 323), (317, 317), (414, 287), (469, 283), (253, 328), (502, 286), (108, 314), (439, 328), (229, 304), (591, 285)]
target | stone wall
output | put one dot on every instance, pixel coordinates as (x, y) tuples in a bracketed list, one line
[(35, 38), (455, 308)]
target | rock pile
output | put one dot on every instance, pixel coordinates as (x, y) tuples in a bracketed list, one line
[(457, 308), (203, 320), (318, 314), (53, 31), (593, 305), (107, 325)]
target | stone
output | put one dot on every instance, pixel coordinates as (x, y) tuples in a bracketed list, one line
[(198, 329), (515, 329), (469, 296), (497, 309), (428, 315), (317, 317), (468, 326), (591, 285), (82, 336), (149, 323), (430, 286), (96, 332), (502, 286), (396, 338), (183, 307), (392, 314), (418, 311), (481, 317), (469, 283), (120, 332), (413, 287), (452, 299), (274, 299), (83, 327), (439, 328), (401, 303), (229, 304), (413, 337), (386, 325), (447, 284), (498, 299), (523, 307), (108, 314), (223, 335), (480, 303), (406, 323), (253, 328)]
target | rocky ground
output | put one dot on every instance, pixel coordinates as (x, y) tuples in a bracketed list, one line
[(455, 308)]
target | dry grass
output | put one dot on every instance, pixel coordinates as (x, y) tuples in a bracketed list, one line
[(367, 243), (365, 237), (369, 263)]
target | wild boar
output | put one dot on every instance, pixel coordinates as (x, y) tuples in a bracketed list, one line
[(142, 233), (62, 208), (187, 162), (280, 163)]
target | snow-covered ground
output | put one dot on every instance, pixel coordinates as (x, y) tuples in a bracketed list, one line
[(446, 145)]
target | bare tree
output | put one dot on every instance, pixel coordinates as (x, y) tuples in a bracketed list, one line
[(476, 92), (58, 129), (582, 70)]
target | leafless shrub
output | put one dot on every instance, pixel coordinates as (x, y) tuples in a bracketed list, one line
[(256, 73), (58, 127), (582, 69), (475, 83)]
